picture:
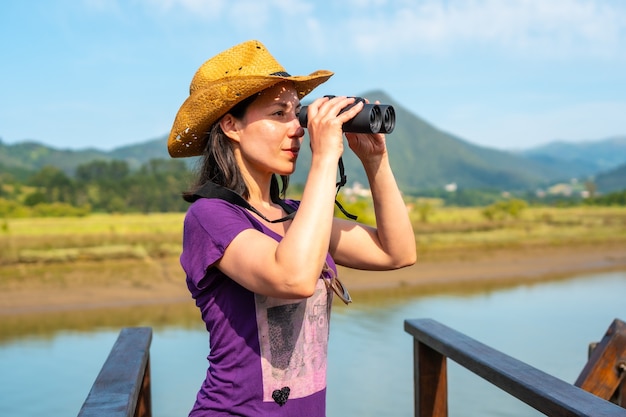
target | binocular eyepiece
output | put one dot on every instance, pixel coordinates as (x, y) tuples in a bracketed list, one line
[(373, 118)]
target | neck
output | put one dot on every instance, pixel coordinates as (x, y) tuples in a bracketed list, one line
[(258, 183), (258, 190)]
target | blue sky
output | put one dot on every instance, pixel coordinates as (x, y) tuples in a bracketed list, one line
[(506, 74)]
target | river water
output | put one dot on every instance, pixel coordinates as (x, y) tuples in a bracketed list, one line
[(48, 369)]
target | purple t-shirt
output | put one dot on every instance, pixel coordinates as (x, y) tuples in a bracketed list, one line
[(267, 355)]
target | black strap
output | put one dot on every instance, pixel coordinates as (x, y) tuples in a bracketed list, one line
[(342, 181), (212, 190)]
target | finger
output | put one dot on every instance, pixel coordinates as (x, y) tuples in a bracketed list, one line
[(339, 108), (314, 108), (349, 109), (336, 104)]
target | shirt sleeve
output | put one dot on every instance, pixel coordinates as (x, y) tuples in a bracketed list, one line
[(210, 226)]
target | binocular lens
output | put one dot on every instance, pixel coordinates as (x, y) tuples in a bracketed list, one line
[(389, 119), (368, 120), (373, 118)]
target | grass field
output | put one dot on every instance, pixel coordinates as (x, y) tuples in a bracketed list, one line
[(131, 261), (95, 237), (154, 236), (458, 228)]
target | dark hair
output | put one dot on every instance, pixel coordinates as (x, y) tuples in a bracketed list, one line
[(218, 163)]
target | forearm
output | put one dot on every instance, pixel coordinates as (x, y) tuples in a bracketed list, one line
[(305, 245), (393, 226)]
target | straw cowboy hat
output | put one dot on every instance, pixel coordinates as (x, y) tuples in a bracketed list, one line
[(222, 82)]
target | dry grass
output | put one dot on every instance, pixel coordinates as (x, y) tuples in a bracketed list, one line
[(124, 270), (95, 237), (66, 243), (133, 236), (452, 229)]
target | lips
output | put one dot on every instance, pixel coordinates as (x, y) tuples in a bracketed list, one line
[(294, 151)]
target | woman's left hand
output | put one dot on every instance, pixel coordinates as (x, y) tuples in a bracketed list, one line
[(367, 145)]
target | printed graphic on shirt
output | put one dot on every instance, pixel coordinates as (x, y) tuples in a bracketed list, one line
[(293, 336)]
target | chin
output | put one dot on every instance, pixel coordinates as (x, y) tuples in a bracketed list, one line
[(286, 171)]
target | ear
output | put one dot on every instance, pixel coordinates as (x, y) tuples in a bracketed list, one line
[(230, 127)]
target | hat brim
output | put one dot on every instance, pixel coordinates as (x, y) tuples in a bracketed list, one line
[(206, 105)]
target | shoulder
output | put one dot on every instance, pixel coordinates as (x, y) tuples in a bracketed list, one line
[(212, 205), (212, 213)]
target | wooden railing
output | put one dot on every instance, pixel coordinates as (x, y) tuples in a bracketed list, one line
[(433, 343), (122, 388)]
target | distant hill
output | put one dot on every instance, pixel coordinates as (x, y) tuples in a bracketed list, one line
[(29, 156), (24, 158), (581, 158), (423, 157), (140, 153), (612, 181)]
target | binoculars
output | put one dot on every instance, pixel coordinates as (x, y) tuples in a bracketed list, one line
[(373, 118)]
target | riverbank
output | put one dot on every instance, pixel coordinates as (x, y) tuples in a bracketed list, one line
[(475, 269), (109, 284)]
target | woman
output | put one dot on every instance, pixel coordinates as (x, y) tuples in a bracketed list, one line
[(262, 269)]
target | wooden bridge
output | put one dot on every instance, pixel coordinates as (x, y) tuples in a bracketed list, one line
[(601, 380), (122, 388)]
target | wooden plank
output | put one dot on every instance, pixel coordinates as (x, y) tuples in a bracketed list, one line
[(431, 385), (604, 371), (542, 391), (117, 387)]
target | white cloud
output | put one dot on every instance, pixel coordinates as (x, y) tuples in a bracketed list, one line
[(249, 14), (238, 12), (545, 29), (211, 9), (555, 27)]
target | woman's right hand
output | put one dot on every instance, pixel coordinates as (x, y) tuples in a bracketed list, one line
[(325, 124)]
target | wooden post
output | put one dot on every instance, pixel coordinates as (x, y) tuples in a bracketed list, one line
[(621, 395), (122, 388), (604, 374), (144, 400), (545, 393), (430, 382)]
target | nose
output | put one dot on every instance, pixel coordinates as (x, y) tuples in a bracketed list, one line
[(299, 130)]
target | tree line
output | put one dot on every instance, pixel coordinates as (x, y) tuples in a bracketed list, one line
[(97, 186), (156, 186)]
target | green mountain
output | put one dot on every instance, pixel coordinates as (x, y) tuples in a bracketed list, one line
[(140, 153), (423, 157), (579, 159), (611, 181), (24, 158)]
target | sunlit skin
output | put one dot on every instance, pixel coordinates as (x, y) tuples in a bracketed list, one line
[(267, 140)]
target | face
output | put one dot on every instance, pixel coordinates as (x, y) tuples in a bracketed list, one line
[(268, 137)]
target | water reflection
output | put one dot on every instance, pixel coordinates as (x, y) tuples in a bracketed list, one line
[(385, 302), (54, 358), (46, 325), (548, 326)]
